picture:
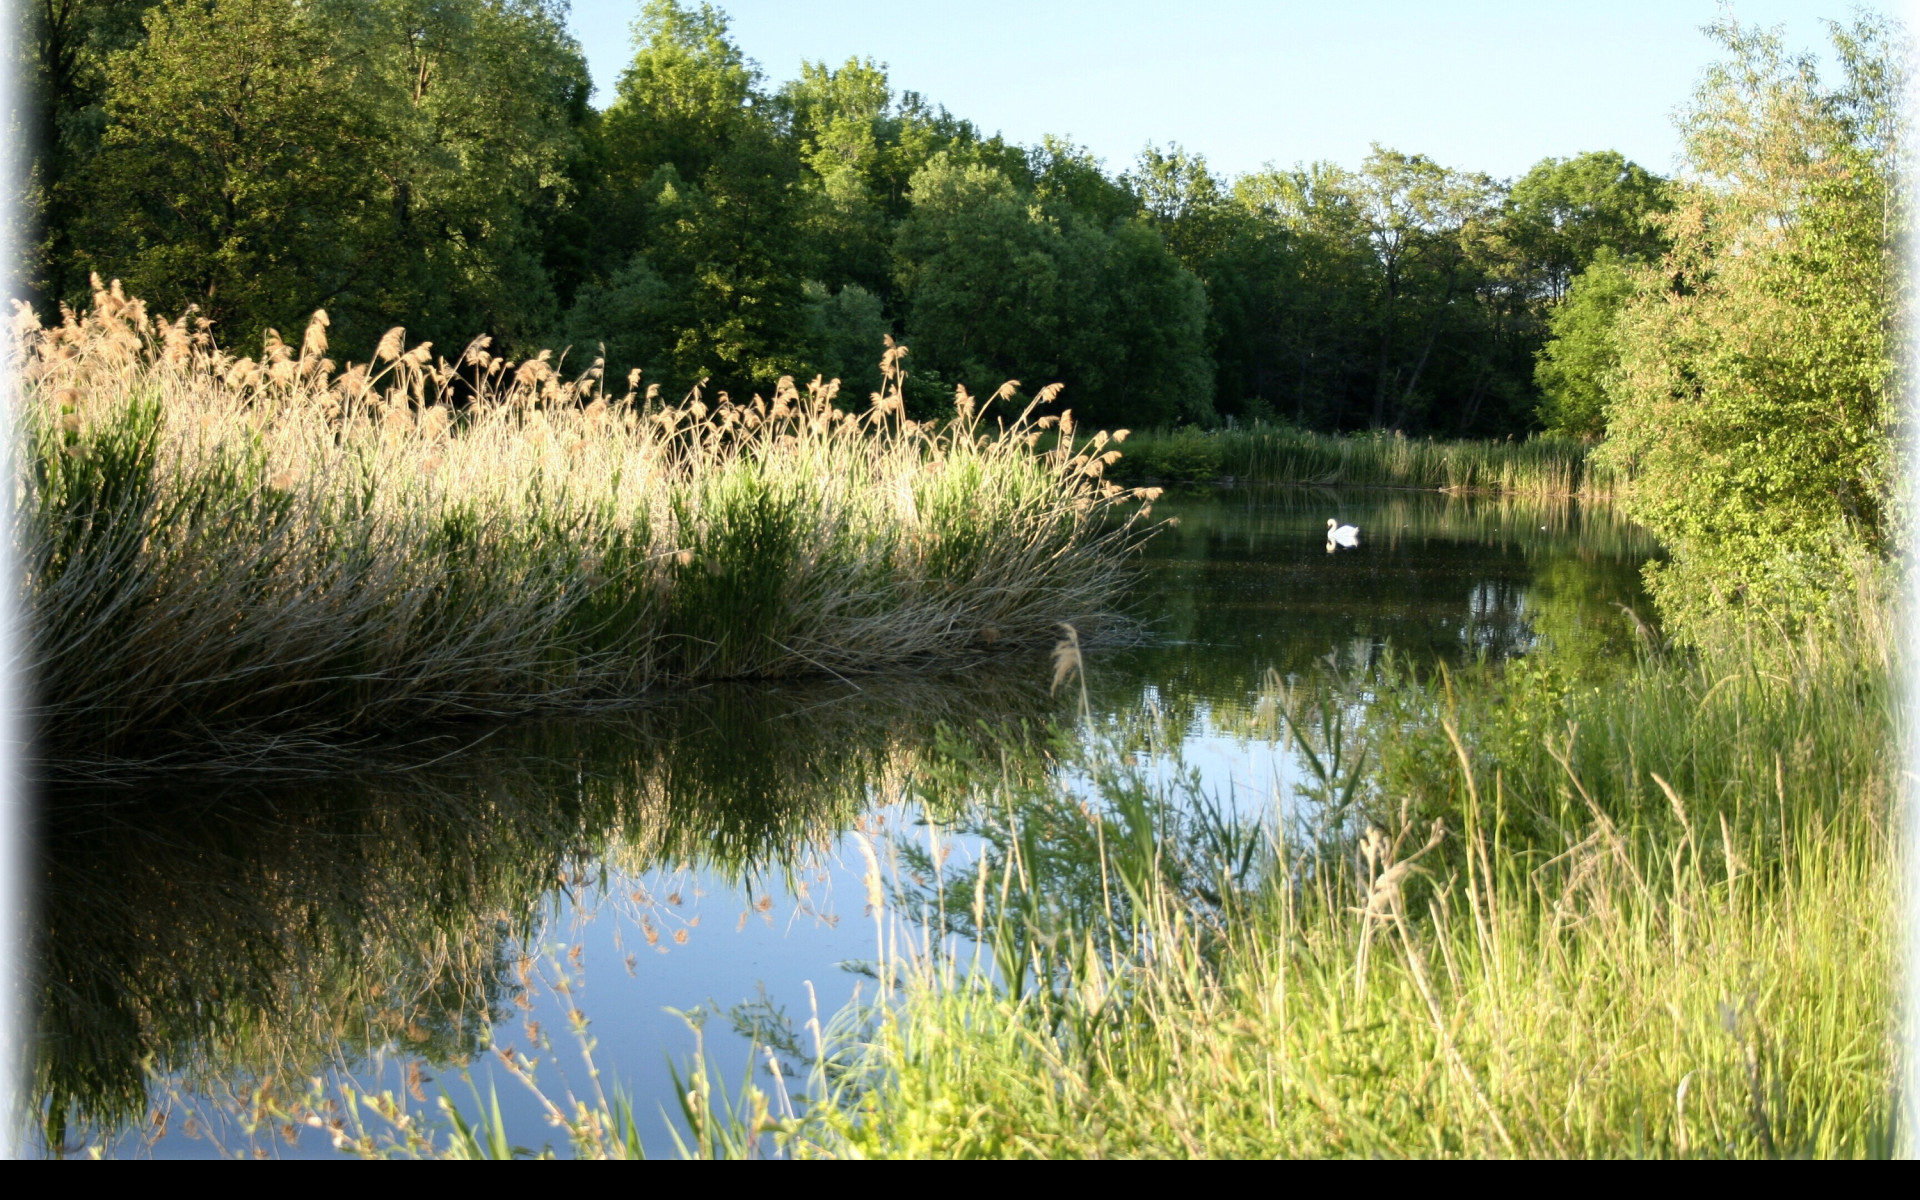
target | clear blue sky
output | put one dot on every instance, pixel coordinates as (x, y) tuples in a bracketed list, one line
[(1491, 85)]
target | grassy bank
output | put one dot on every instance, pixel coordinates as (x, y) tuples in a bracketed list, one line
[(234, 561), (1652, 1001), (1650, 918), (1537, 467)]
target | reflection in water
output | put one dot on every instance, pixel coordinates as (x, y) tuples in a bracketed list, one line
[(223, 938), (273, 930), (1243, 584)]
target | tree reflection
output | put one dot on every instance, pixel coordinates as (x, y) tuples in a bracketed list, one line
[(263, 931)]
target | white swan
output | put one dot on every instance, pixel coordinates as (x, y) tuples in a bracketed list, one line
[(1343, 535)]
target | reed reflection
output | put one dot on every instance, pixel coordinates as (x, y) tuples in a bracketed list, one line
[(254, 934)]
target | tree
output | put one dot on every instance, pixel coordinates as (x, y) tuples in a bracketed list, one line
[(981, 273), (231, 174), (1575, 366), (62, 52), (1144, 362), (1184, 200), (847, 329), (435, 164), (1282, 266), (1068, 178), (1575, 227), (842, 121), (388, 160), (700, 193), (1755, 393), (628, 317), (1421, 220), (1339, 299), (477, 106), (1564, 212), (999, 284), (860, 146)]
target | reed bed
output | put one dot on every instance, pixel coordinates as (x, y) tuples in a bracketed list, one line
[(235, 562), (1538, 467)]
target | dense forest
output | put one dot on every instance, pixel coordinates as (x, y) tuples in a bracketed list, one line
[(437, 164)]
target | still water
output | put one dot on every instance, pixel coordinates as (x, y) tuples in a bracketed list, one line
[(651, 874)]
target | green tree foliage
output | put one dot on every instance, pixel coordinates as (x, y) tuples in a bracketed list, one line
[(1424, 223), (1403, 295), (385, 159), (436, 164), (1580, 224), (477, 105), (1576, 364), (1566, 212), (229, 175), (1002, 282), (1289, 271), (862, 145), (698, 190), (845, 326), (1755, 391), (849, 140), (62, 53)]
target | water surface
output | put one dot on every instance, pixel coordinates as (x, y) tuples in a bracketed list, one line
[(389, 927)]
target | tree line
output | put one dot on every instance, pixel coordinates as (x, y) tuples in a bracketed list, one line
[(437, 164)]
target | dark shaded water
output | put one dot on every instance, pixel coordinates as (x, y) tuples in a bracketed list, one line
[(200, 945)]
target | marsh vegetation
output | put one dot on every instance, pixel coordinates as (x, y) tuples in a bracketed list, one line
[(1538, 468), (1650, 919), (230, 560), (1553, 815)]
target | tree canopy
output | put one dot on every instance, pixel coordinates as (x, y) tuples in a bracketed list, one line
[(436, 164)]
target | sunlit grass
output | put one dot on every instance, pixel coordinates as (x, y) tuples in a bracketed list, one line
[(1652, 918), (1618, 1002), (240, 562), (1648, 919)]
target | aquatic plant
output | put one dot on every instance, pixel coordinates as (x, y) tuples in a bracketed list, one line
[(1538, 467), (1648, 919), (240, 562)]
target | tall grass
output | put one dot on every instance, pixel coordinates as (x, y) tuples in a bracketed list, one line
[(1537, 467), (1652, 919), (236, 561), (1632, 1002)]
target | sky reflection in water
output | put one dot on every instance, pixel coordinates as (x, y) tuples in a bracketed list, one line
[(684, 857)]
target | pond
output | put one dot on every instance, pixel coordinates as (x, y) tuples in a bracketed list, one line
[(273, 937)]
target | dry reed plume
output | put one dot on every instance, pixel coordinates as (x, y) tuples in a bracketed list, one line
[(230, 561)]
